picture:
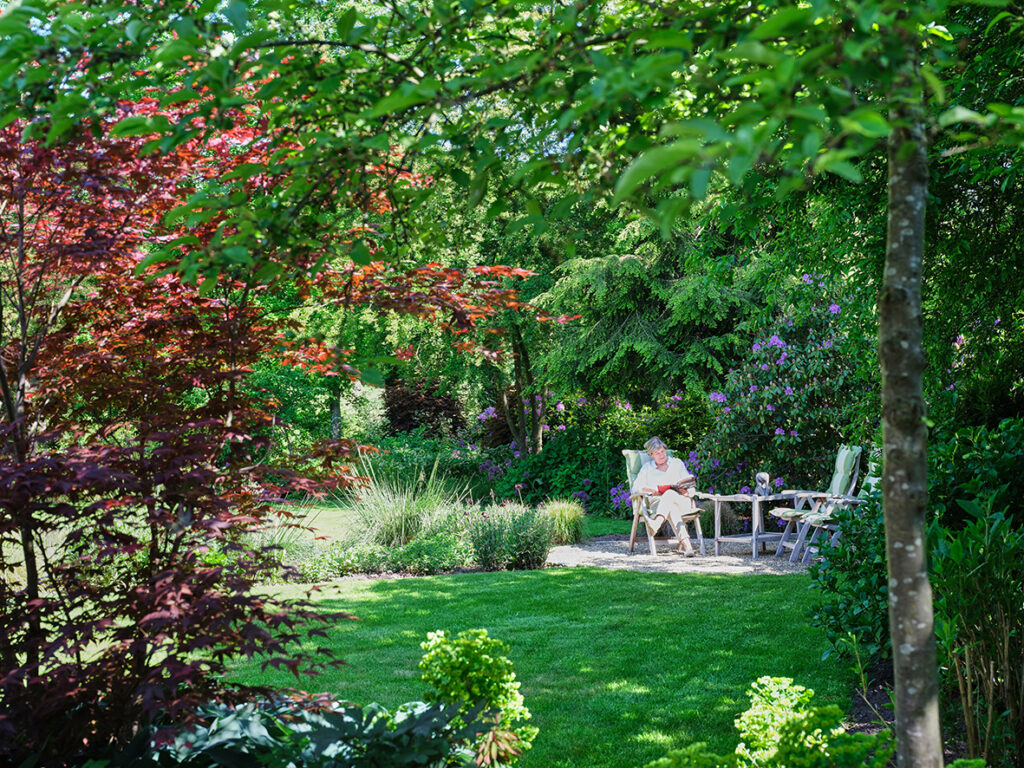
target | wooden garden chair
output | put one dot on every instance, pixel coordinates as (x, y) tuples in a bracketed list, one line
[(644, 507), (811, 512)]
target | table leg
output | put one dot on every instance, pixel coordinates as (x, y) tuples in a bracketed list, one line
[(718, 527), (755, 524)]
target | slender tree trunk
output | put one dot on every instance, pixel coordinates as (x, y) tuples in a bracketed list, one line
[(904, 483), (335, 415)]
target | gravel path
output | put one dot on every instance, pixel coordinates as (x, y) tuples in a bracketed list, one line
[(613, 552)]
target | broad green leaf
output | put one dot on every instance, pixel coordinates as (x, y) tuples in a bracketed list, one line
[(834, 162), (782, 22), (866, 122), (173, 51), (959, 114), (345, 22), (141, 125), (207, 286), (237, 13), (653, 162), (699, 179)]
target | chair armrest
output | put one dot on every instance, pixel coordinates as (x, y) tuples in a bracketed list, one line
[(724, 497)]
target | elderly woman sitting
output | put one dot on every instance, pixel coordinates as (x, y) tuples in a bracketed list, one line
[(671, 485)]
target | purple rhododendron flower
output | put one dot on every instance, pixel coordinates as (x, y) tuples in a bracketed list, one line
[(778, 482), (828, 344), (753, 387), (745, 489), (764, 366), (756, 347), (727, 410), (793, 432), (834, 309), (769, 407), (780, 431), (716, 397), (560, 406), (789, 391), (806, 278)]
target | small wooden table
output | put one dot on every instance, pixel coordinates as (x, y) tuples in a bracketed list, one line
[(757, 534)]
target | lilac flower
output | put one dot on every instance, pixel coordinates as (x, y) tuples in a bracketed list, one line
[(756, 347), (780, 431), (834, 309)]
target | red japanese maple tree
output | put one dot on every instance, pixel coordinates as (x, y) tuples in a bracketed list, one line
[(133, 461)]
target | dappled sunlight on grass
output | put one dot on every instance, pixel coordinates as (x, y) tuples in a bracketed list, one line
[(616, 666)]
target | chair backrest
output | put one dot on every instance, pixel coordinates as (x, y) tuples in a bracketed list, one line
[(847, 468), (872, 479), (635, 461)]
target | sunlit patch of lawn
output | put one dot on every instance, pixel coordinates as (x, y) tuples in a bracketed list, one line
[(616, 666)]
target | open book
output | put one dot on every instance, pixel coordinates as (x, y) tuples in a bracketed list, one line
[(682, 485)]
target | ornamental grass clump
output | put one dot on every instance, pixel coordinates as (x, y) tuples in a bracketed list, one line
[(394, 510), (566, 520)]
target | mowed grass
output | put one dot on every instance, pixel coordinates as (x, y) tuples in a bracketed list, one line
[(617, 667)]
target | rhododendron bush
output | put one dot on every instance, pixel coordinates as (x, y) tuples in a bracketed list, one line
[(801, 390)]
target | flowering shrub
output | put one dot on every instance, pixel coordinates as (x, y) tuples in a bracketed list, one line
[(798, 393), (511, 536), (582, 454)]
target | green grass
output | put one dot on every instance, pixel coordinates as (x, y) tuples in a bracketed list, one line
[(617, 666), (602, 526)]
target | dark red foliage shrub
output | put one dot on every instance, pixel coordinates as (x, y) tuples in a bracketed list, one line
[(128, 454), (419, 404)]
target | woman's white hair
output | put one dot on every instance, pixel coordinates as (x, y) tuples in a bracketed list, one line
[(654, 444)]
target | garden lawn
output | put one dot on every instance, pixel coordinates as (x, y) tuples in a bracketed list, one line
[(617, 667)]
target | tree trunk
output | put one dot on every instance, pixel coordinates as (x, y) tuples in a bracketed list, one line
[(904, 483), (335, 415)]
